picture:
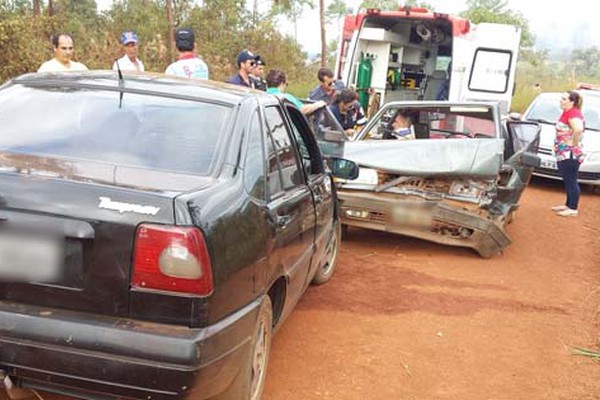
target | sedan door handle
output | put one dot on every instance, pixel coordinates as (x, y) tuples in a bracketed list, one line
[(283, 220)]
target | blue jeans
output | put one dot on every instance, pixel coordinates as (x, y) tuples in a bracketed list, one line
[(569, 169)]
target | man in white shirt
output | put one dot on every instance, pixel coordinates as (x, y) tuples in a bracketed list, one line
[(130, 61), (188, 64), (63, 54)]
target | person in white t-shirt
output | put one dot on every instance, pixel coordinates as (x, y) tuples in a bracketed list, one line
[(130, 61), (188, 64), (63, 56)]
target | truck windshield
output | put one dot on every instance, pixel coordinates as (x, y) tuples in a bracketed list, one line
[(146, 131)]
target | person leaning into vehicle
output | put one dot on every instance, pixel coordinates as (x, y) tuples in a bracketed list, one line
[(276, 84), (327, 87), (401, 126), (63, 56), (130, 61), (568, 150), (347, 110), (188, 64)]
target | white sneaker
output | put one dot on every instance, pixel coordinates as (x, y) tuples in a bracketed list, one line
[(568, 213), (559, 208)]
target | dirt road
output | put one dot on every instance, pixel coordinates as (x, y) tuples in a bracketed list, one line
[(407, 319)]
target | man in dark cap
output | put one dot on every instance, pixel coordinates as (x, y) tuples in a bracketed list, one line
[(188, 64), (246, 61), (258, 74)]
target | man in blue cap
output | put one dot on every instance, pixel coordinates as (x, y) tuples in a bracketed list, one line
[(188, 64), (246, 61), (130, 61)]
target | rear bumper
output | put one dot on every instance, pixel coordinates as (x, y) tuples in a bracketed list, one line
[(97, 357), (442, 224)]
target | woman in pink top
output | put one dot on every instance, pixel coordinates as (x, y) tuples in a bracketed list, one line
[(568, 150)]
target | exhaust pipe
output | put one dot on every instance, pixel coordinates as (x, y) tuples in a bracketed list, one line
[(13, 392)]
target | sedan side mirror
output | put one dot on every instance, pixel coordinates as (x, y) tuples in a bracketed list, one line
[(515, 116), (343, 168)]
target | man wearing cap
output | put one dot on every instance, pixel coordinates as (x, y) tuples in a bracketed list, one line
[(258, 74), (246, 61), (63, 55), (130, 61), (188, 64)]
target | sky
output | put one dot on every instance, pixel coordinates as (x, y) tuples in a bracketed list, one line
[(554, 24)]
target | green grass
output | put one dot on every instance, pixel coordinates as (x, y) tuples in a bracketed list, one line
[(577, 351)]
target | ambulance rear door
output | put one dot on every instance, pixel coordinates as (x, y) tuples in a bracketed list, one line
[(484, 64)]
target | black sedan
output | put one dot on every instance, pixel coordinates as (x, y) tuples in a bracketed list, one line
[(153, 233)]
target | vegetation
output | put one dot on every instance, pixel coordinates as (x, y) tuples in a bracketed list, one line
[(224, 27), (595, 354)]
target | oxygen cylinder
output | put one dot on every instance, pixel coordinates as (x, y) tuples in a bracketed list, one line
[(363, 80)]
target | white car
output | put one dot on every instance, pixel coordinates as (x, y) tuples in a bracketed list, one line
[(545, 109)]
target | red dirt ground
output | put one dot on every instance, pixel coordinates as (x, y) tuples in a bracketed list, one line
[(407, 319)]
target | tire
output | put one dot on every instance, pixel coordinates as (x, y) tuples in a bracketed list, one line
[(345, 229), (250, 381), (326, 270)]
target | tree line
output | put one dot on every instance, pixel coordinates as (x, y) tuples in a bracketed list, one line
[(224, 27)]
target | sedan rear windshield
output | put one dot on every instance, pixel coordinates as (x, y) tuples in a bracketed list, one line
[(144, 131)]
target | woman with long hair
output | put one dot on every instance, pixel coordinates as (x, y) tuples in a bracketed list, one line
[(569, 151)]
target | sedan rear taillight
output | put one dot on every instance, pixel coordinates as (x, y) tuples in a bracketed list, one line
[(171, 258)]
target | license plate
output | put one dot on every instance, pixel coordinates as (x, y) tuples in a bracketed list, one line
[(27, 258), (547, 163), (409, 216)]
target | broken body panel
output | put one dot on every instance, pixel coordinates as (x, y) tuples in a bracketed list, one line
[(459, 187)]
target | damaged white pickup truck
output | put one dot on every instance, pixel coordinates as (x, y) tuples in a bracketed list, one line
[(456, 181)]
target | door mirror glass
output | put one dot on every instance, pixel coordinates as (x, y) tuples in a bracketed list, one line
[(342, 168)]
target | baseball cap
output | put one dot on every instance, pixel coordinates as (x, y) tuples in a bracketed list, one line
[(244, 56), (184, 38), (129, 37), (259, 60)]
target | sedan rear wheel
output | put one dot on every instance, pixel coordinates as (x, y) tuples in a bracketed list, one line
[(250, 381), (326, 270)]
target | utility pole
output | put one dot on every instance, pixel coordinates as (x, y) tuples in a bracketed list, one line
[(323, 38), (37, 8)]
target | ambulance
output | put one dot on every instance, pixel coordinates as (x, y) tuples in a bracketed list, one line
[(414, 54)]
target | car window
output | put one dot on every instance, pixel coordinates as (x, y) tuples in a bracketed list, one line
[(144, 131), (545, 109), (284, 172), (435, 123), (307, 145), (254, 169)]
